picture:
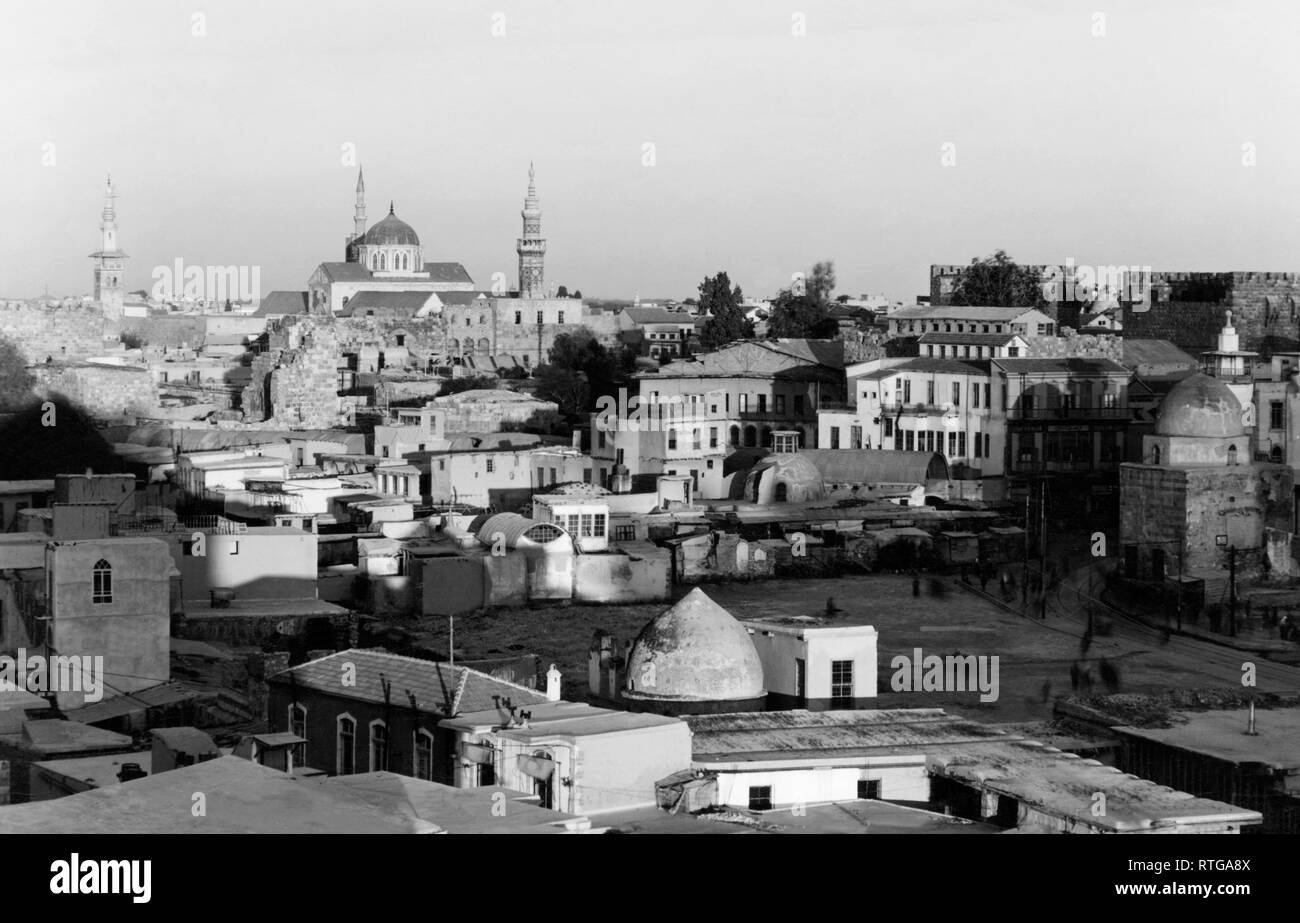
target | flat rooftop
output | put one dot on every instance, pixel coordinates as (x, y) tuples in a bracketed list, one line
[(805, 736), (571, 719), (1222, 736), (94, 771)]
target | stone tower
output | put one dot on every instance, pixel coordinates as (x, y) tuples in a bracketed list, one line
[(531, 247), (358, 219), (110, 262)]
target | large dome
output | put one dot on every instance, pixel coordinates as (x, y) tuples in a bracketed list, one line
[(391, 232), (695, 651), (1200, 405)]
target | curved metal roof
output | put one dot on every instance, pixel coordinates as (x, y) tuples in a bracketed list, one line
[(515, 527)]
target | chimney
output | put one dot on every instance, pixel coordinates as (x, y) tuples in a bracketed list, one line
[(130, 771), (552, 684)]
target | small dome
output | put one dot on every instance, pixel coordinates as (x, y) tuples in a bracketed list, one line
[(391, 232), (1200, 405), (696, 651)]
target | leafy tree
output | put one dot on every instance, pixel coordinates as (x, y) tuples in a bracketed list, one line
[(821, 281), (579, 370), (562, 292), (998, 281), (727, 321), (843, 299), (800, 316), (16, 381), (566, 387), (577, 294)]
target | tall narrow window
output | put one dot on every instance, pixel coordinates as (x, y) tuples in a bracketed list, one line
[(345, 751), (424, 756), (298, 728), (841, 684), (102, 582), (378, 747)]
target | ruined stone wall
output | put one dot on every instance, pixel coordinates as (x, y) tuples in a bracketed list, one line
[(103, 391), (295, 382), (1189, 309), (1071, 345), (58, 330)]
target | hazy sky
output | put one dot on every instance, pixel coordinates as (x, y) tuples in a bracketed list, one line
[(771, 149)]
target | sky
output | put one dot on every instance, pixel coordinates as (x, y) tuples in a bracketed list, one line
[(672, 139)]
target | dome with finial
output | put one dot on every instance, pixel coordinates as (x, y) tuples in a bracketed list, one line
[(1200, 406), (392, 231)]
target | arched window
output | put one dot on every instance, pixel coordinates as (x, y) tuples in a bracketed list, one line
[(1232, 454), (345, 750), (1155, 455), (378, 746), (751, 437), (767, 437), (735, 437), (298, 728), (1275, 454), (672, 439), (102, 582), (545, 788), (782, 493)]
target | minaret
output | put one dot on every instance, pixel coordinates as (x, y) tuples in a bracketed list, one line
[(358, 219), (531, 247), (110, 262)]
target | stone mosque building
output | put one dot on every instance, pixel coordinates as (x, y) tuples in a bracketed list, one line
[(1197, 494)]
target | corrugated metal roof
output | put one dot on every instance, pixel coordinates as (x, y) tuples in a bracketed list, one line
[(513, 527), (873, 466)]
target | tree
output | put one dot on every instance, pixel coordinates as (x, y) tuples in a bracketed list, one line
[(579, 370), (727, 321), (577, 294), (842, 299), (16, 381), (800, 317), (562, 292), (821, 281), (998, 281)]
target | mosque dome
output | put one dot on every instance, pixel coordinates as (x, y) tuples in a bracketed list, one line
[(391, 232), (696, 651), (1200, 406)]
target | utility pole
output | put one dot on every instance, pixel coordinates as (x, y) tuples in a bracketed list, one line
[(1232, 591), (1180, 584)]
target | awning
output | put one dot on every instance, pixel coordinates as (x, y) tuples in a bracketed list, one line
[(475, 753)]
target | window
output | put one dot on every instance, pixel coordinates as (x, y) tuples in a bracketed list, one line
[(102, 582), (586, 525), (961, 445), (975, 395), (298, 728), (907, 390), (908, 440), (1232, 454), (800, 680), (491, 465), (345, 751), (598, 525), (987, 401), (952, 444), (560, 319), (929, 391), (519, 317), (798, 404), (696, 439), (956, 393), (713, 437), (978, 446), (841, 684), (760, 797), (1275, 415), (624, 533), (762, 403), (889, 427), (869, 789), (835, 437), (539, 317), (855, 437), (378, 747), (672, 439), (986, 446), (424, 756)]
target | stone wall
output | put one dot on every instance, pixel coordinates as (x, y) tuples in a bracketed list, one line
[(295, 382), (57, 330), (105, 392), (1189, 309)]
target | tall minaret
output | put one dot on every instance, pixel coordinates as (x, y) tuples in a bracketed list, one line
[(110, 262), (531, 247), (358, 218)]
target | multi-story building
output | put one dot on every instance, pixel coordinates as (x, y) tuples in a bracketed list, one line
[(949, 319)]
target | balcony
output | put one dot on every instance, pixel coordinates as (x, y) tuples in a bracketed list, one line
[(925, 410), (1064, 467)]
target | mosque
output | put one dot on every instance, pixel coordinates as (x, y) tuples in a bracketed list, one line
[(1198, 499)]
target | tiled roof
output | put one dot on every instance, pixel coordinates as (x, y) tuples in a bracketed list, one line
[(960, 312), (345, 272), (1062, 366), (402, 301), (657, 316), (447, 272), (282, 303), (439, 688)]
